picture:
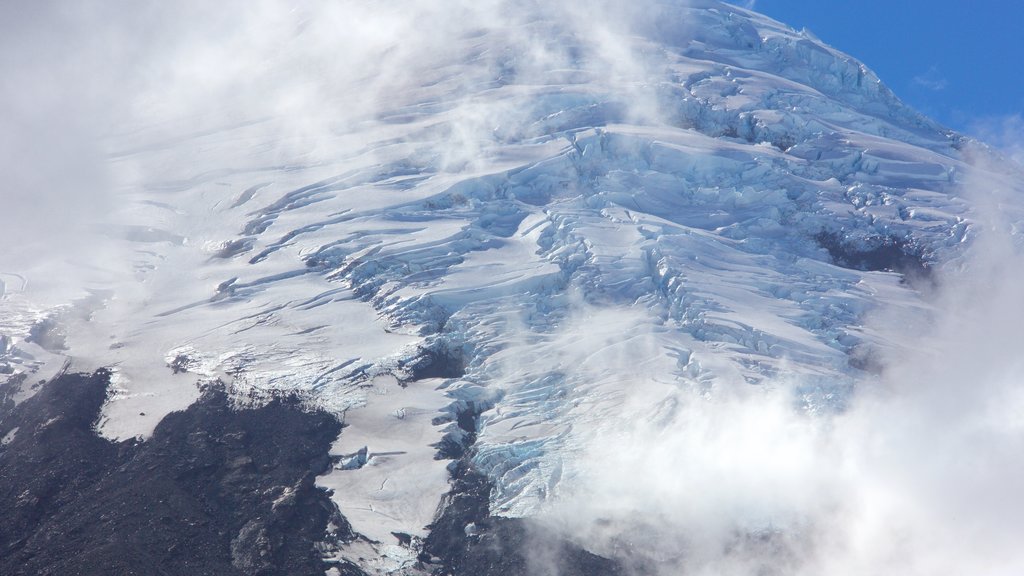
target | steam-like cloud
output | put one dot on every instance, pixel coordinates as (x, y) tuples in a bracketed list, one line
[(89, 84), (1005, 133), (54, 182), (932, 79), (920, 475), (95, 79)]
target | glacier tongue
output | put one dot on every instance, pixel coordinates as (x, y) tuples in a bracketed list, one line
[(597, 224)]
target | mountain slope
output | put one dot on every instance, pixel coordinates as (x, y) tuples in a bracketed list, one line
[(523, 245)]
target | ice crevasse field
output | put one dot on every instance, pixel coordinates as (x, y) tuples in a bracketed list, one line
[(681, 282)]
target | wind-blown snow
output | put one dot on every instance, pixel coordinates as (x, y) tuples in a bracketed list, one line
[(603, 216)]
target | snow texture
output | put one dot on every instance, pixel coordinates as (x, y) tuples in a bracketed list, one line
[(577, 237)]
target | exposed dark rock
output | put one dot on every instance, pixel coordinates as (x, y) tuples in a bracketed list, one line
[(866, 359), (215, 490), (465, 540), (181, 363), (878, 253), (438, 362), (233, 248), (8, 390), (218, 490), (454, 444), (48, 334)]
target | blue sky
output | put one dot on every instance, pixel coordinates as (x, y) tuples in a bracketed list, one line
[(960, 62)]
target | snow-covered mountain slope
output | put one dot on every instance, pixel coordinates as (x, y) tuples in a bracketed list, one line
[(510, 241)]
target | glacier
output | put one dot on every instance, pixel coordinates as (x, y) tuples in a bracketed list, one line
[(525, 234)]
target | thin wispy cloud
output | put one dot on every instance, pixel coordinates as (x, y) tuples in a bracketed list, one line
[(933, 79), (1004, 132), (916, 477)]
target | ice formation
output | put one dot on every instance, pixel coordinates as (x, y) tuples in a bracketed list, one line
[(547, 227)]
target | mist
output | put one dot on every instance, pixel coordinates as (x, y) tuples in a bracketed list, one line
[(920, 474), (91, 84)]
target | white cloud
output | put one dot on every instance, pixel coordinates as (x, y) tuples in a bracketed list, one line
[(932, 79), (1006, 133), (81, 77), (920, 476)]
